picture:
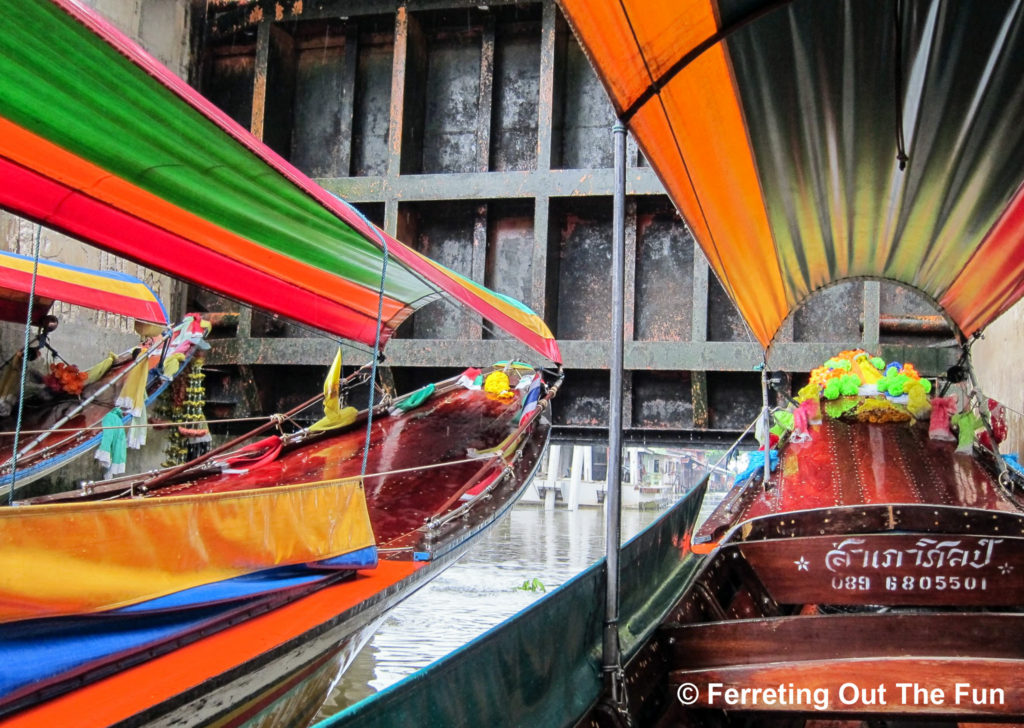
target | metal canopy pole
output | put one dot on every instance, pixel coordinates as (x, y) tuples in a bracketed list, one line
[(613, 515)]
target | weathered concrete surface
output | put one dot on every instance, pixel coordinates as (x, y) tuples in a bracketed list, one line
[(584, 282), (662, 400), (832, 314), (586, 141), (664, 278), (510, 251), (517, 99), (371, 118), (452, 104)]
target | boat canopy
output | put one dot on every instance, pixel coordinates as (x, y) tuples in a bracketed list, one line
[(99, 140), (51, 281), (810, 141)]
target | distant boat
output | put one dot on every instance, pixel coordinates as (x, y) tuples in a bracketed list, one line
[(217, 592), (61, 422)]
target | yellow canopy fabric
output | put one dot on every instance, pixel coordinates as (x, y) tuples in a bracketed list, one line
[(87, 557), (777, 129)]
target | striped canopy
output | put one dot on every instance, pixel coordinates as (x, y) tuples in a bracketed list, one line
[(811, 141), (51, 281), (99, 140)]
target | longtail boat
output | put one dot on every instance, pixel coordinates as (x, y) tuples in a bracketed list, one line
[(228, 590), (61, 419), (866, 571)]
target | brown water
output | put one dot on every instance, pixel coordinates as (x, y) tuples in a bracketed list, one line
[(482, 590)]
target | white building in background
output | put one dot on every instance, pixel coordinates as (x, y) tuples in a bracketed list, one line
[(573, 476)]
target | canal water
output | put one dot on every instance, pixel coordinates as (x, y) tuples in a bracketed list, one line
[(530, 552)]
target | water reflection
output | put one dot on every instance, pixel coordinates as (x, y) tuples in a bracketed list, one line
[(482, 590)]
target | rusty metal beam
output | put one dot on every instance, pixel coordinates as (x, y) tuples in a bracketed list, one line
[(578, 355), (547, 100), (922, 325), (699, 399), (398, 81), (232, 16), (259, 86), (478, 265), (485, 96), (629, 296), (539, 264)]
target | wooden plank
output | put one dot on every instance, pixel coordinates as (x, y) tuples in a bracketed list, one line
[(728, 513), (846, 636), (889, 686), (869, 518), (891, 568)]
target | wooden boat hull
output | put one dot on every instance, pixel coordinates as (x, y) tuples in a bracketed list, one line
[(246, 665), (894, 593)]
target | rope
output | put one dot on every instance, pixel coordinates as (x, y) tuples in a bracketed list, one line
[(154, 425), (24, 363), (364, 475), (376, 356), (376, 339)]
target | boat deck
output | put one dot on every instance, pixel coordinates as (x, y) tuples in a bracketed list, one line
[(410, 449), (849, 464)]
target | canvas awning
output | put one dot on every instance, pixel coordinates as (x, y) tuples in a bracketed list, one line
[(99, 140), (111, 291), (779, 128)]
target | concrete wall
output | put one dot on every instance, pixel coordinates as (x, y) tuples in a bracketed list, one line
[(479, 134)]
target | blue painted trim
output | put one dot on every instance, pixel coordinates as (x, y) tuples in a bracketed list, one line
[(365, 558)]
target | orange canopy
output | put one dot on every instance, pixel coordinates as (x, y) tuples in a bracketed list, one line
[(811, 141)]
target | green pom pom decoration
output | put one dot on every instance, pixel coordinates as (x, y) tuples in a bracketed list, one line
[(896, 385), (831, 389), (927, 384), (878, 363), (849, 384)]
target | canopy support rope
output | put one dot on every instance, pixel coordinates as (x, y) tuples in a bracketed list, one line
[(24, 363), (380, 323)]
